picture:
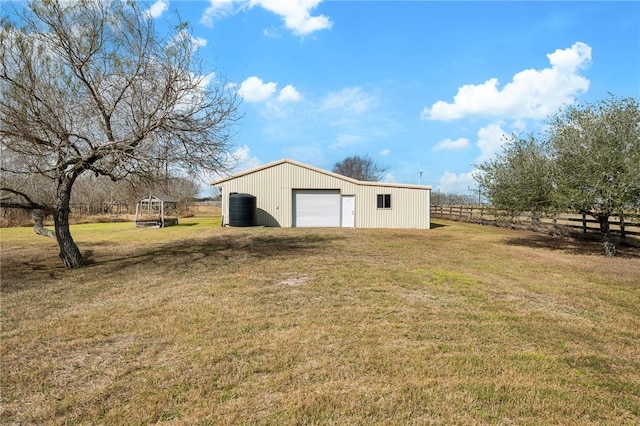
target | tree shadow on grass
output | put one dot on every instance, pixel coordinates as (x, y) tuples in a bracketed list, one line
[(578, 245), (236, 249), (222, 250)]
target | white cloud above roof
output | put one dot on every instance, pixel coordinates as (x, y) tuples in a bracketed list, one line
[(296, 14), (244, 160), (532, 94)]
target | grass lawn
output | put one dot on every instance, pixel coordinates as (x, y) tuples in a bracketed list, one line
[(198, 324)]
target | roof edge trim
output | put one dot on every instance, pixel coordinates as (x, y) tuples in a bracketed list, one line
[(318, 170)]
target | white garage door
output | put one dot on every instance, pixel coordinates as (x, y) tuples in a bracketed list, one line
[(316, 208)]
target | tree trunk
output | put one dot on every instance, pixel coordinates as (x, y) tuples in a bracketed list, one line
[(69, 251), (607, 240)]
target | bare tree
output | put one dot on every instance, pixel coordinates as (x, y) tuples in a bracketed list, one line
[(90, 86), (452, 199), (360, 168)]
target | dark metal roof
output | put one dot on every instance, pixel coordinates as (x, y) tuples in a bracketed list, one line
[(163, 198)]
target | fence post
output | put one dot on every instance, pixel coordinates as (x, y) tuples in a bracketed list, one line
[(584, 223), (622, 233)]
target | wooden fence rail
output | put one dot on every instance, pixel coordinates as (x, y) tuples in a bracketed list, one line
[(90, 209), (624, 226)]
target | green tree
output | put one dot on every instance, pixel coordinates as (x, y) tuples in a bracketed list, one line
[(596, 152), (589, 162), (361, 168), (89, 86), (520, 179)]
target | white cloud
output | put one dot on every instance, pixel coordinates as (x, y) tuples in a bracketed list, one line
[(490, 141), (218, 9), (157, 9), (196, 42), (456, 183), (204, 80), (532, 93), (519, 126), (296, 14), (237, 161), (289, 94), (253, 89), (351, 116), (351, 100), (345, 118), (385, 152), (244, 160), (491, 138), (449, 144)]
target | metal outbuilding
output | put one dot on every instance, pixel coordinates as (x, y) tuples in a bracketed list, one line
[(292, 194)]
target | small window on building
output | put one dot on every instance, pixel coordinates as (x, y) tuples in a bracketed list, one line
[(384, 201)]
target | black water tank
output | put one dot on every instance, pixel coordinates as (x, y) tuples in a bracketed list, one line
[(242, 209)]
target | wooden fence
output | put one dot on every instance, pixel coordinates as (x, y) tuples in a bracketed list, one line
[(624, 226), (91, 209)]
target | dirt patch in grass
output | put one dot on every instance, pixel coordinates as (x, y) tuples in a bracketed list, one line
[(199, 324)]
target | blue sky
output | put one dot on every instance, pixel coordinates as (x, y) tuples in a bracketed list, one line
[(418, 86)]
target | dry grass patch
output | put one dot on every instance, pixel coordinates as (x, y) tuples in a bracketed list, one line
[(198, 324)]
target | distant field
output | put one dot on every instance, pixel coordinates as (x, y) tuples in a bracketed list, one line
[(198, 324)]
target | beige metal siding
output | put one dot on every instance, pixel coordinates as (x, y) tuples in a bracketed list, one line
[(273, 188), (409, 208)]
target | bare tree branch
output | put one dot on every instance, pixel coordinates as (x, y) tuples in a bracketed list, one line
[(89, 86)]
